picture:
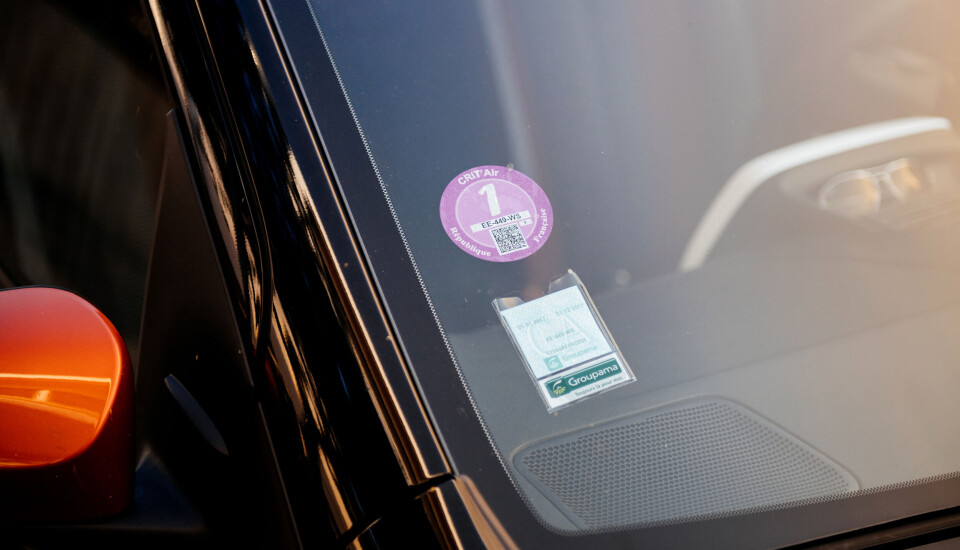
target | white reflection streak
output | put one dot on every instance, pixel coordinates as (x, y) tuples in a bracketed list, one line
[(754, 173)]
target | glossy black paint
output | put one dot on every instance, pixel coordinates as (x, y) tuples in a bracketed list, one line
[(228, 198), (338, 465), (189, 492), (194, 377)]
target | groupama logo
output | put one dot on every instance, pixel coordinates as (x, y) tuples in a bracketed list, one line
[(582, 378), (553, 363)]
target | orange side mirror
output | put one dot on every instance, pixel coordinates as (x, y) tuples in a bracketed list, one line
[(66, 409)]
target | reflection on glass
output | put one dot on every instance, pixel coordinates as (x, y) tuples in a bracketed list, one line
[(851, 193), (861, 192)]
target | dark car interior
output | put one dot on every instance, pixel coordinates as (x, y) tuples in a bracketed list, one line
[(809, 344)]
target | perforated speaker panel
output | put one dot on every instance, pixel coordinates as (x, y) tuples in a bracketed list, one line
[(690, 460)]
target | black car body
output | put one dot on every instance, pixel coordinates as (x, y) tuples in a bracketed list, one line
[(248, 352), (276, 401)]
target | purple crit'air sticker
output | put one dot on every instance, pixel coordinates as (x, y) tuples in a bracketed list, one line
[(496, 213)]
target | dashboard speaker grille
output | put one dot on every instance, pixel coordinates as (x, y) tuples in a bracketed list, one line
[(685, 461)]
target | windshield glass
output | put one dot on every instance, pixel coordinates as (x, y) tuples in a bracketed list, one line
[(690, 259)]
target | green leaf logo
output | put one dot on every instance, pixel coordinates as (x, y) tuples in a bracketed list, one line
[(585, 378), (553, 363)]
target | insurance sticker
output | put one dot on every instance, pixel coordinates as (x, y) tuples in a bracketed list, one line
[(567, 349), (496, 213)]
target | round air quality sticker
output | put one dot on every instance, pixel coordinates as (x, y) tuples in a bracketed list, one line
[(496, 213)]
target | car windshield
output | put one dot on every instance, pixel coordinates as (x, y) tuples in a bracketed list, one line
[(690, 260)]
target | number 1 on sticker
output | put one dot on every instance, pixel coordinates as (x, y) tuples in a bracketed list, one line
[(491, 193)]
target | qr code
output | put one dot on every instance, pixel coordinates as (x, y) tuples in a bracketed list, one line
[(508, 239)]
